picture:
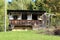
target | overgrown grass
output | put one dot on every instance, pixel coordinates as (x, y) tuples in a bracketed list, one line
[(26, 35)]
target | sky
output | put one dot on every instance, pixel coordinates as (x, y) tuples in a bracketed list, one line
[(9, 0), (33, 0)]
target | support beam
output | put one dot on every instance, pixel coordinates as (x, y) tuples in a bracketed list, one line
[(5, 14)]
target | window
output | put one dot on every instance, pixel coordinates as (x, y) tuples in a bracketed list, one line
[(20, 17), (10, 17), (24, 16), (29, 17), (15, 17), (34, 16)]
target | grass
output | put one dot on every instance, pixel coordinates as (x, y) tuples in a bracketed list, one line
[(26, 35)]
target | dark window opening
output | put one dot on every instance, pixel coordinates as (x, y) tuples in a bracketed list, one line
[(34, 16), (15, 17), (24, 16)]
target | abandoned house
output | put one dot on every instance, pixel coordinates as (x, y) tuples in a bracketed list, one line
[(25, 19)]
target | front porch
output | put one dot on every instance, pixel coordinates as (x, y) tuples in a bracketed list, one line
[(25, 24), (25, 19)]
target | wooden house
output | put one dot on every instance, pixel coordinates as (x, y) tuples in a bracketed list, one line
[(25, 19)]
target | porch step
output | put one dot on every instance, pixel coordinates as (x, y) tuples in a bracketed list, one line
[(19, 30)]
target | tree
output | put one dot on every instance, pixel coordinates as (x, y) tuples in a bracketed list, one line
[(1, 15), (50, 6), (19, 5), (54, 6)]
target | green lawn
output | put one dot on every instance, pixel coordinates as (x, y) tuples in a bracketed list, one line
[(26, 35)]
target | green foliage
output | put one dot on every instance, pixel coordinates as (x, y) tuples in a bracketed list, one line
[(43, 5), (1, 15), (19, 4)]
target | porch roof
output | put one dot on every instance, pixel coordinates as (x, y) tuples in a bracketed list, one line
[(30, 11)]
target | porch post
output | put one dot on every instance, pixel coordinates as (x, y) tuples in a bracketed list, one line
[(44, 21), (31, 16), (5, 15)]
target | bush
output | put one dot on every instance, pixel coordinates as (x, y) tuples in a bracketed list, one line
[(1, 28), (57, 32)]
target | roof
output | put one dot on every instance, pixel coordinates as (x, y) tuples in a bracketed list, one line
[(34, 11)]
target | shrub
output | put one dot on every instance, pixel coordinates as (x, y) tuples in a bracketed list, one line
[(1, 28)]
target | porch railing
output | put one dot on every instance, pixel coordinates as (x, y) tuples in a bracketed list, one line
[(24, 22)]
